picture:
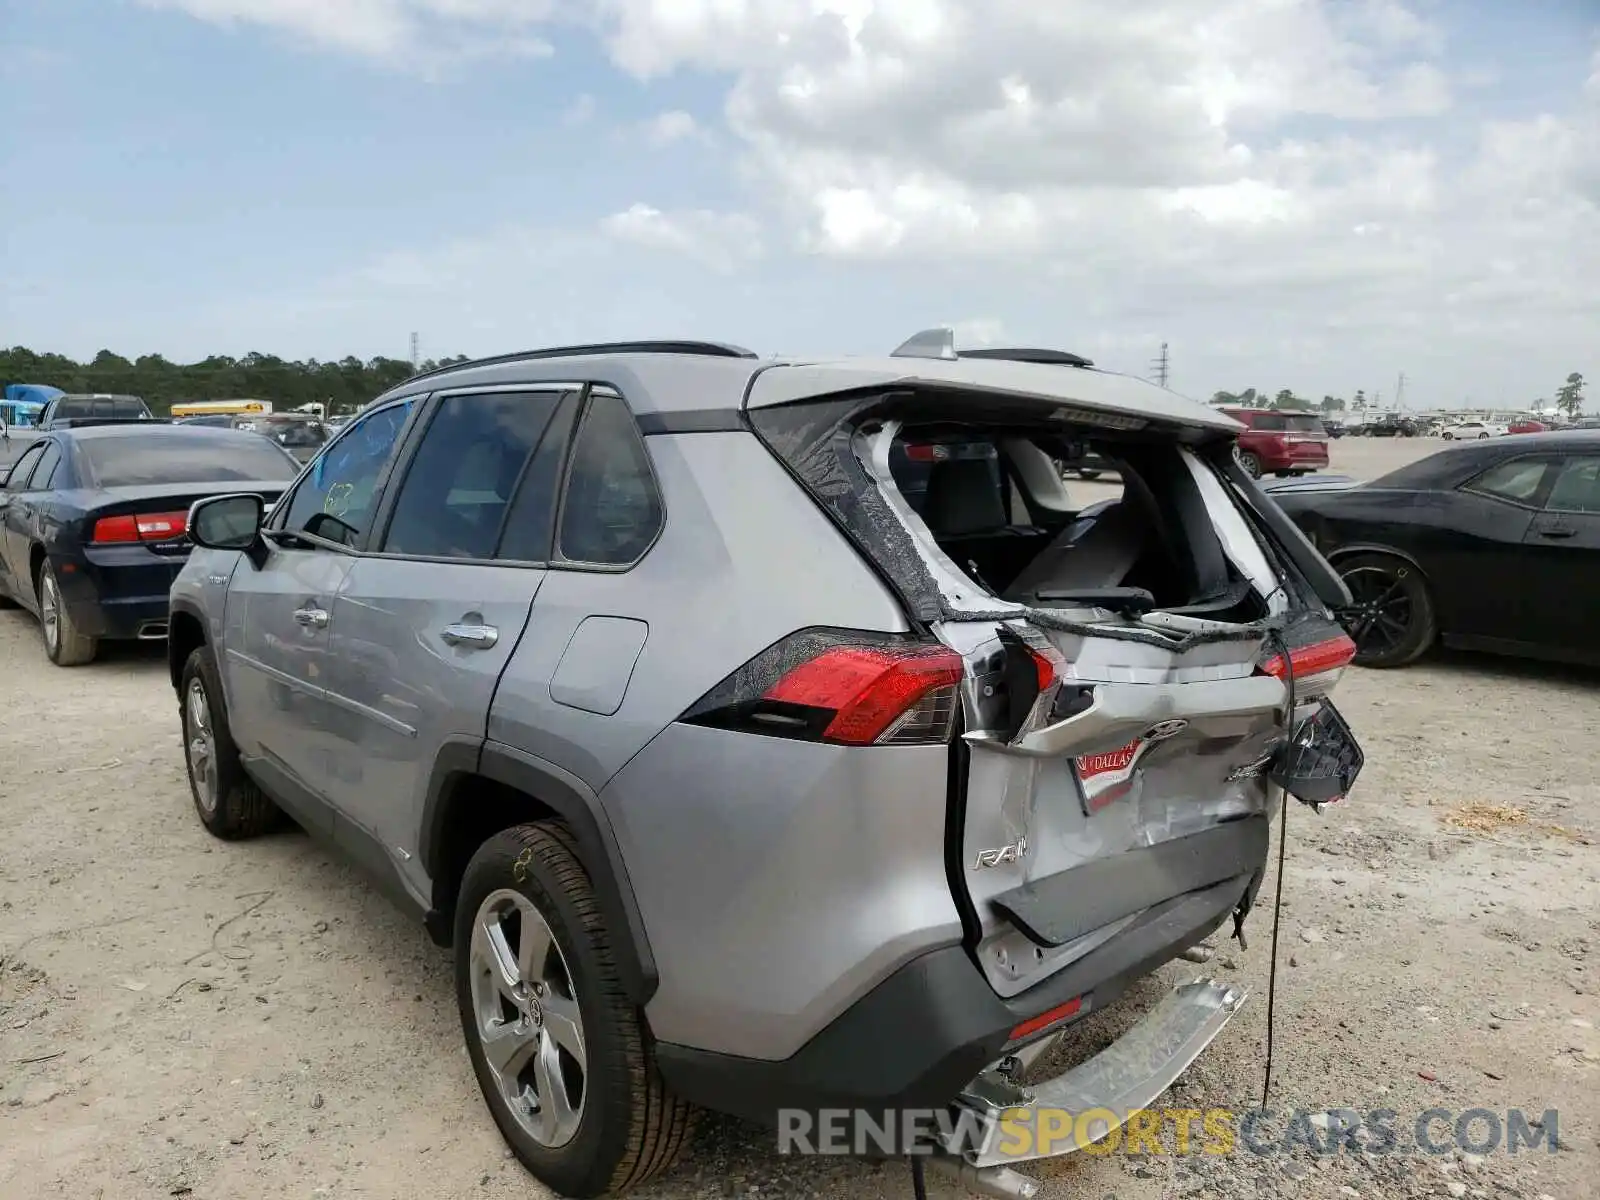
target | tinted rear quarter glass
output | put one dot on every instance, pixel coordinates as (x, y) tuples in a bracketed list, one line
[(611, 511), (1577, 489), (148, 458), (1517, 480)]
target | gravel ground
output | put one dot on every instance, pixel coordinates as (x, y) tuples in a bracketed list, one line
[(179, 1017)]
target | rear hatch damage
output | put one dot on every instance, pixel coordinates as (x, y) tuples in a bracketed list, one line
[(1145, 664)]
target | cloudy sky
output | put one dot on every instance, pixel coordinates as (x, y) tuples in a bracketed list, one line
[(1313, 194)]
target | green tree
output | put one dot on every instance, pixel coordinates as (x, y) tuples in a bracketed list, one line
[(1332, 404), (343, 386), (1569, 396), (1360, 402)]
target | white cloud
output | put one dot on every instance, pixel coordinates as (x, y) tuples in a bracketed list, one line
[(665, 129), (1277, 180), (415, 32), (721, 240)]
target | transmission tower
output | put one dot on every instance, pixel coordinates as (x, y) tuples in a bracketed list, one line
[(1159, 366)]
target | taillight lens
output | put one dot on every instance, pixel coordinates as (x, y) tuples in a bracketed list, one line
[(1317, 665), (841, 687), (139, 527)]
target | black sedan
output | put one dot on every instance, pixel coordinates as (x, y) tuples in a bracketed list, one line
[(1491, 545), (92, 523)]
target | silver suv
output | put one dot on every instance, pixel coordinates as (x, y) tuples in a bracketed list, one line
[(769, 734)]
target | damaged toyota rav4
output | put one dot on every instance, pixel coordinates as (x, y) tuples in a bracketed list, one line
[(774, 734)]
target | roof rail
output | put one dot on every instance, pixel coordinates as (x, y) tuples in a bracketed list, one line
[(704, 349), (1055, 358), (930, 343)]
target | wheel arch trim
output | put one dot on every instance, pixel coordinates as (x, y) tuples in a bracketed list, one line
[(1341, 553), (184, 608), (569, 798)]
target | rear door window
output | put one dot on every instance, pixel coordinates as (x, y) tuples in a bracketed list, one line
[(611, 511), (530, 523), (44, 473), (458, 487), (22, 469)]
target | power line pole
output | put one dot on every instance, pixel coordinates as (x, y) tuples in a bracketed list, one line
[(416, 357), (1400, 393), (1159, 366)]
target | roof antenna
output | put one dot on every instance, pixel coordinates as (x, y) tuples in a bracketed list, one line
[(930, 343)]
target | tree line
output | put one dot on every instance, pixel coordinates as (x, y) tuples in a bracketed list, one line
[(347, 384), (341, 386), (1568, 399)]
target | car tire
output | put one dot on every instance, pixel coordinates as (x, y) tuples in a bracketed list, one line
[(230, 804), (1250, 463), (1449, 437), (64, 643), (1483, 437), (625, 1126), (1392, 620), (1088, 473)]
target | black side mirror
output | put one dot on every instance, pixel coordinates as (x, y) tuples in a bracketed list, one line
[(229, 523)]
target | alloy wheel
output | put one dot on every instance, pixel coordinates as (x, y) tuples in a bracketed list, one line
[(1380, 618), (202, 745), (50, 610), (528, 1021)]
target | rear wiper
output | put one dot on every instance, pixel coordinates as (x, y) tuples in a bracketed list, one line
[(1129, 601)]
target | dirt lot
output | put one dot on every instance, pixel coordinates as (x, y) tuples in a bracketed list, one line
[(179, 1017)]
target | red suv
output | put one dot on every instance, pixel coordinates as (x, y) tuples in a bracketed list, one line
[(1280, 443)]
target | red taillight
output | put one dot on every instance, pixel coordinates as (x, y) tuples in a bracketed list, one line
[(1046, 1019), (1331, 655), (142, 527), (876, 693), (1317, 665), (926, 452), (843, 687), (1044, 667)]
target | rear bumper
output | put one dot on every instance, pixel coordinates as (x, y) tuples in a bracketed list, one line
[(928, 1030), (120, 592)]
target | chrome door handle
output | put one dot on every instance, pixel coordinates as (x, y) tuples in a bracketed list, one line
[(1558, 531), (476, 637), (314, 618)]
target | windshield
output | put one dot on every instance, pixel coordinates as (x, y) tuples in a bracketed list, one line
[(146, 459)]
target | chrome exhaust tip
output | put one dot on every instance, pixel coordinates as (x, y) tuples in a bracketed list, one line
[(152, 631)]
